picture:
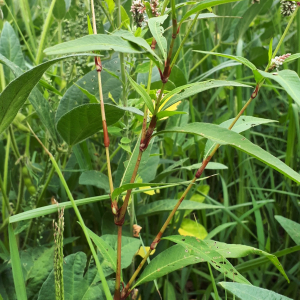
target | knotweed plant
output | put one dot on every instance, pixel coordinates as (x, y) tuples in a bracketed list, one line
[(121, 142)]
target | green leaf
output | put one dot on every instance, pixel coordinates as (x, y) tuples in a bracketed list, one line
[(59, 10), (209, 16), (172, 259), (129, 247), (169, 291), (110, 5), (227, 137), (248, 292), (140, 42), (291, 227), (218, 229), (204, 5), (270, 52), (193, 251), (16, 93), (176, 257), (94, 178), (193, 89), (38, 263), (92, 43), (77, 285), (132, 160), (130, 186), (16, 265), (10, 48), (289, 80), (243, 123), (168, 205), (248, 17), (142, 92), (92, 98), (90, 28), (166, 113), (291, 58), (240, 59), (73, 97), (85, 120), (157, 32), (192, 228), (235, 251), (39, 103), (105, 249)]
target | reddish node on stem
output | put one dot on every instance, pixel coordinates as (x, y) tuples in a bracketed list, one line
[(119, 222), (254, 94), (144, 143), (105, 134), (154, 244), (98, 64)]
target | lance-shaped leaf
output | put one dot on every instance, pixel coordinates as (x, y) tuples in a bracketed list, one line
[(168, 205), (193, 251), (203, 5), (224, 136), (176, 257), (291, 227), (130, 186), (39, 103), (291, 58), (105, 249), (243, 123), (235, 251), (139, 89), (239, 59), (18, 90), (191, 89), (157, 32), (16, 265), (94, 42), (249, 292), (289, 80), (140, 42), (85, 120)]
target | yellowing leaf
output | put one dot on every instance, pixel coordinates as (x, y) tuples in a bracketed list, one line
[(148, 192), (143, 250), (191, 228), (204, 189)]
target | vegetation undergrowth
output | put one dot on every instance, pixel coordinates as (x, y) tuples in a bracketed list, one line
[(149, 150)]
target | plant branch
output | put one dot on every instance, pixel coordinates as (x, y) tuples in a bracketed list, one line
[(184, 39), (44, 33), (285, 32), (198, 174), (98, 65)]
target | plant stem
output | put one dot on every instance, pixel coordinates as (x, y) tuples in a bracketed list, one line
[(20, 32), (46, 183), (285, 32), (26, 15), (98, 65), (77, 212), (20, 192), (184, 39), (206, 160), (4, 196), (198, 174), (46, 26), (111, 157)]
